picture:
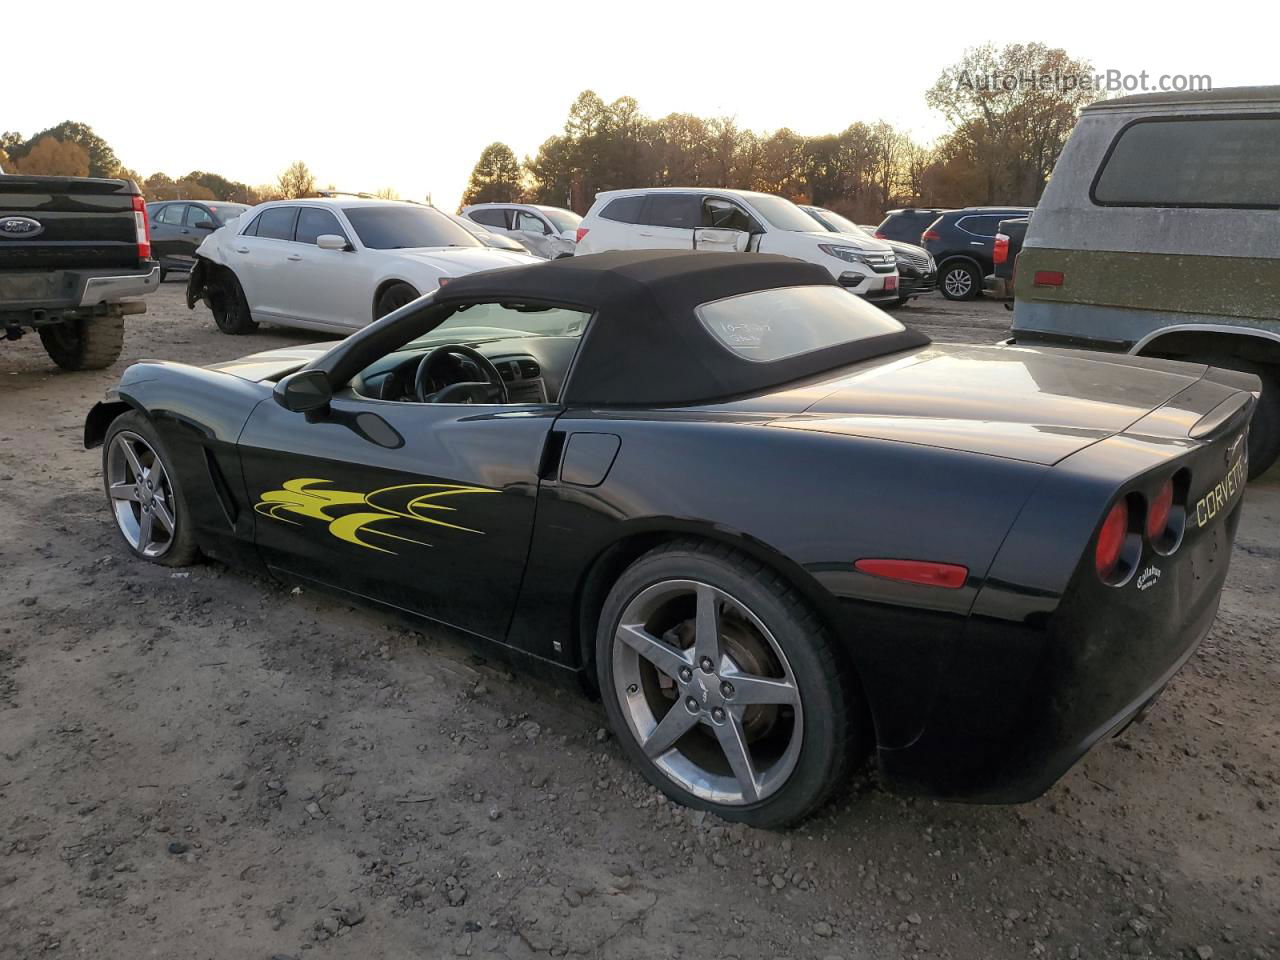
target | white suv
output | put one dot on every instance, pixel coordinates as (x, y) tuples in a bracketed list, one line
[(547, 232), (701, 218)]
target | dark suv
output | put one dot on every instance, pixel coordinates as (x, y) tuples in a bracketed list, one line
[(906, 225), (962, 243)]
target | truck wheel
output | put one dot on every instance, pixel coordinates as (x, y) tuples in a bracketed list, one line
[(228, 305), (91, 343), (959, 281)]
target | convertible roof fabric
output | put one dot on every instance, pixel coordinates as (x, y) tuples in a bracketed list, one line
[(644, 345)]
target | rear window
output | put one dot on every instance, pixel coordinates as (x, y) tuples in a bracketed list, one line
[(767, 325), (405, 227), (623, 210), (1203, 162), (277, 223)]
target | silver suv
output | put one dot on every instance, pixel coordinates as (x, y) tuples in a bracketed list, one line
[(547, 232)]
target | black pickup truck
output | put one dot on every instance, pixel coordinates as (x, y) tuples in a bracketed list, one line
[(72, 251), (1009, 237)]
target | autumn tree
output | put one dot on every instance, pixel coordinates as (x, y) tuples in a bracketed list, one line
[(102, 159), (495, 177), (296, 181), (52, 157), (387, 193), (1011, 111)]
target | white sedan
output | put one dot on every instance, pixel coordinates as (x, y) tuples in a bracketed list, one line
[(331, 264)]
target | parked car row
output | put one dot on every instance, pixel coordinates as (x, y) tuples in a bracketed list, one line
[(680, 218)]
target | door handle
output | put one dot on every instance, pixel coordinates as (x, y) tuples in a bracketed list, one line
[(294, 256), (242, 249), (976, 243)]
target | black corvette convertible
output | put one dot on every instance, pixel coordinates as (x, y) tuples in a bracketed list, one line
[(770, 526)]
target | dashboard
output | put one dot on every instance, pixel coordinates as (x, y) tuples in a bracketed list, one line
[(532, 369)]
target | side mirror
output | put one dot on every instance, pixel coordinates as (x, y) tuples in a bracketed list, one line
[(720, 238), (331, 241), (304, 391)]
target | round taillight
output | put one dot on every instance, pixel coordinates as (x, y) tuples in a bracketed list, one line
[(1111, 540), (1158, 512)]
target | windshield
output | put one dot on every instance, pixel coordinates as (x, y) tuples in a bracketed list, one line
[(488, 322), (562, 220), (403, 226), (782, 214), (227, 211), (769, 325), (839, 224)]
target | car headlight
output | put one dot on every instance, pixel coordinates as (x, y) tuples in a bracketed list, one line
[(847, 254)]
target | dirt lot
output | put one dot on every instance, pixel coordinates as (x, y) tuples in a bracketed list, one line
[(199, 764)]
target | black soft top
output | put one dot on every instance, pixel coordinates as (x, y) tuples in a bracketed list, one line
[(644, 344)]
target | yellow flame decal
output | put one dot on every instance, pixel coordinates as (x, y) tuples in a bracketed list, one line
[(311, 497)]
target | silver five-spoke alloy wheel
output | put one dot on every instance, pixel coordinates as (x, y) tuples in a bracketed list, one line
[(141, 495), (707, 692)]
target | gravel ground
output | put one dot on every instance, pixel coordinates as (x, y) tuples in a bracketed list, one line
[(202, 764)]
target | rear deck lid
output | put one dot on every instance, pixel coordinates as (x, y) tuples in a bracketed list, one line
[(1018, 403)]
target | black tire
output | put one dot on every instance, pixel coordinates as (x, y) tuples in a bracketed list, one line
[(181, 550), (92, 343), (163, 273), (1264, 431), (833, 719), (959, 281), (393, 298), (228, 305)]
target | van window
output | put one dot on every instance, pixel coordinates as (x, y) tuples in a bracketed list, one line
[(1203, 162), (679, 210), (623, 210)]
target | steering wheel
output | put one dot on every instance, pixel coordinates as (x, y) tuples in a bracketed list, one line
[(491, 390)]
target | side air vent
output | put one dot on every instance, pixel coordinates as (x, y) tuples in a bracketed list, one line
[(221, 488), (529, 369)]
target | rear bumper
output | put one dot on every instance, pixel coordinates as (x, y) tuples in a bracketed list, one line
[(999, 287), (119, 287), (1041, 675), (57, 292)]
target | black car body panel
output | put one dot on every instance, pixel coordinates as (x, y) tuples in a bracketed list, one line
[(1000, 460)]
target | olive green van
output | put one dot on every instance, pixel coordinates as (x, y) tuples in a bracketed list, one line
[(1159, 234)]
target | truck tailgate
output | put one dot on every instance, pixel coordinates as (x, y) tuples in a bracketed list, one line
[(48, 223)]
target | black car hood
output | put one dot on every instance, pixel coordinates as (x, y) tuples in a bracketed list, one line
[(272, 364), (1013, 402)]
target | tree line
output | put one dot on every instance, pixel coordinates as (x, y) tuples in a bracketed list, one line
[(72, 149), (1003, 140)]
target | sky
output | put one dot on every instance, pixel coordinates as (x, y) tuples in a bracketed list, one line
[(406, 95)]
